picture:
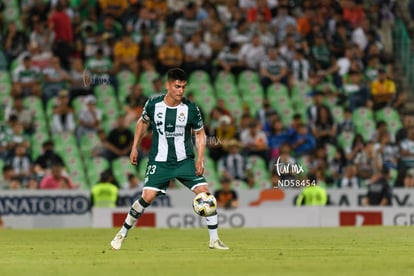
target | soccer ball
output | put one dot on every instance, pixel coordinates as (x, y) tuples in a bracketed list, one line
[(204, 204)]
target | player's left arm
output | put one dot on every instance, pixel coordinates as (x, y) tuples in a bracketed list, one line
[(197, 125), (200, 139)]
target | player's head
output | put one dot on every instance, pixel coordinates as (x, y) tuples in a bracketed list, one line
[(176, 83)]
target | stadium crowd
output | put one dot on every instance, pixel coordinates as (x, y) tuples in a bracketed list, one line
[(307, 82)]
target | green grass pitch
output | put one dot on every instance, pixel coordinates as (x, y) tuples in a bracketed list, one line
[(282, 251)]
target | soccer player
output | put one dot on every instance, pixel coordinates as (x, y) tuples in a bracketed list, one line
[(172, 118)]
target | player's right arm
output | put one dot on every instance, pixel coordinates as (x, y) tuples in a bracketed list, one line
[(140, 129)]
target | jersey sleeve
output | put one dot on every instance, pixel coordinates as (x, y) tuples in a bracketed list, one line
[(196, 120), (145, 116)]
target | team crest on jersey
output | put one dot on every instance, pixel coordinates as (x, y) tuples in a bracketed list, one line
[(181, 117)]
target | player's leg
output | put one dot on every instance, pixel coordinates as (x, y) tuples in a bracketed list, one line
[(212, 222), (198, 184), (156, 181), (137, 209)]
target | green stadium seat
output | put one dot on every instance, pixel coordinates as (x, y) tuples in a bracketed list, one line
[(77, 105), (103, 91), (35, 105), (5, 77), (199, 76), (37, 139), (387, 114), (278, 95), (75, 167), (41, 126), (225, 77), (226, 89), (337, 113), (94, 167), (87, 143), (366, 128), (66, 145), (252, 89), (201, 89), (145, 81), (254, 101), (121, 167), (11, 3), (11, 14), (107, 103), (206, 103), (247, 77), (286, 114), (234, 104), (260, 172), (123, 92), (5, 88), (361, 114), (125, 77), (300, 89), (345, 139), (394, 126), (331, 151)]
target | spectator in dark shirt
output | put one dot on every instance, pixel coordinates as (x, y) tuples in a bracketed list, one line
[(119, 140), (226, 196), (324, 128), (48, 158), (408, 121), (379, 191)]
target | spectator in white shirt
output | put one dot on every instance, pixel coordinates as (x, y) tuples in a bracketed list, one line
[(360, 35), (282, 20), (251, 54), (300, 66), (55, 79), (254, 141), (241, 33), (63, 118), (273, 69), (350, 180), (228, 59), (188, 25), (197, 54), (89, 118), (407, 149)]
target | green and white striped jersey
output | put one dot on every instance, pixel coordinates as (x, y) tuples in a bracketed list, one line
[(171, 129)]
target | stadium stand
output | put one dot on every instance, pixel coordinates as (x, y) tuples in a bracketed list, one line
[(325, 45)]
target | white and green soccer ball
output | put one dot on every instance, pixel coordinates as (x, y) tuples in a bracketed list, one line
[(204, 204)]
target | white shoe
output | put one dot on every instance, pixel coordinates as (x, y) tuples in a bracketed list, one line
[(116, 243), (218, 244)]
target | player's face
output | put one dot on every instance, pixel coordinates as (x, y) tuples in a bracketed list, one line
[(176, 89)]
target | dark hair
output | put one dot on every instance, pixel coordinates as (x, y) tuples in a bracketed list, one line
[(7, 168), (297, 116), (177, 74), (381, 123), (130, 176), (106, 176), (48, 143)]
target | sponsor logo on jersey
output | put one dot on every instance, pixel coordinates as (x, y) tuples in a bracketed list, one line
[(169, 134)]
